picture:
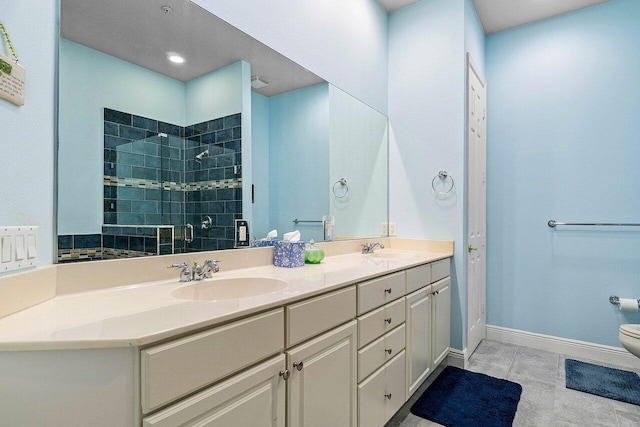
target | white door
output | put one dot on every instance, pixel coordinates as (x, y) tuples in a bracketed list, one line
[(476, 202)]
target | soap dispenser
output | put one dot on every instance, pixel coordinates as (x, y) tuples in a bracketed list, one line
[(313, 254)]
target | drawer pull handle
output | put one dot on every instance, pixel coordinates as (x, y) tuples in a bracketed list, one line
[(388, 350), (388, 320), (298, 365), (388, 291), (285, 374), (388, 396)]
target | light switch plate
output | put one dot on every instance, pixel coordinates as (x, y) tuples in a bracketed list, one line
[(18, 248)]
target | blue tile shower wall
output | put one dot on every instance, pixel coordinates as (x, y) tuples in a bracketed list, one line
[(79, 247), (153, 179), (214, 181), (130, 241)]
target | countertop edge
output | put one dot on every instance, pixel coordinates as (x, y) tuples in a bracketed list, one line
[(167, 334)]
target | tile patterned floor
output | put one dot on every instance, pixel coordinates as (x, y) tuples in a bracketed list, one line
[(545, 399)]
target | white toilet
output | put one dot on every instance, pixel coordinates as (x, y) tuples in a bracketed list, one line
[(630, 338)]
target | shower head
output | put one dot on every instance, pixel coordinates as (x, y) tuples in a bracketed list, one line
[(202, 155)]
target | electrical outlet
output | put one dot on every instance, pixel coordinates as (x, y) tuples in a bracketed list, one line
[(383, 229), (392, 229)]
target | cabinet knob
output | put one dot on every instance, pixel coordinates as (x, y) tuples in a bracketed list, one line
[(388, 350), (388, 396), (388, 290), (388, 320), (285, 374), (298, 365)]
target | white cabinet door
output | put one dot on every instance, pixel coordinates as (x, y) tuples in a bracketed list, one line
[(442, 314), (322, 388), (252, 398), (418, 339)]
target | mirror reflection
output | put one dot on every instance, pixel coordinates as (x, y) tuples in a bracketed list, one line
[(158, 158)]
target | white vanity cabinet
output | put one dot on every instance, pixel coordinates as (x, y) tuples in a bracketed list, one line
[(321, 390), (174, 369), (381, 355), (322, 370), (428, 312), (442, 320), (255, 397)]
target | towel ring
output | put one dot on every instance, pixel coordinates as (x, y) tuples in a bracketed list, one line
[(443, 176), (343, 190)]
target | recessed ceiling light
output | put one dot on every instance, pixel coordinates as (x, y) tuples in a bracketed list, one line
[(176, 58)]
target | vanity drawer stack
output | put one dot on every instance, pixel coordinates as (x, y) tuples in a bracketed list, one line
[(381, 343)]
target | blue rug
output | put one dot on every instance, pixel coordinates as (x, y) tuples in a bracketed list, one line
[(602, 381), (464, 398)]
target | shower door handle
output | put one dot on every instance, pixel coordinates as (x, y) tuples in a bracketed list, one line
[(188, 233)]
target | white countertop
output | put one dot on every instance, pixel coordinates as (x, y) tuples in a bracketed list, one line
[(139, 315)]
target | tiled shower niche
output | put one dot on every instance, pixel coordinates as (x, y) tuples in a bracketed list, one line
[(161, 174)]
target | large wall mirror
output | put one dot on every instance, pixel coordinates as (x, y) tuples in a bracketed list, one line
[(158, 157)]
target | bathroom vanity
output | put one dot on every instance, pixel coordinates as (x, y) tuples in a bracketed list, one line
[(342, 343)]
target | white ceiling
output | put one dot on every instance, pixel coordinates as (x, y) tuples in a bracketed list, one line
[(141, 33), (499, 15)]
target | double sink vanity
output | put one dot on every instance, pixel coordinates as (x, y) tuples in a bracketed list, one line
[(342, 343)]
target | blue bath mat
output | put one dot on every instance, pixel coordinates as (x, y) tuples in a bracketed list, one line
[(602, 381), (464, 398)]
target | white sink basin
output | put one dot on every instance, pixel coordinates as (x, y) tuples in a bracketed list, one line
[(394, 255), (232, 288)]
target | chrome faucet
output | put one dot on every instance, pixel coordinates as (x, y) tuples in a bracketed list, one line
[(205, 271), (185, 274), (368, 248)]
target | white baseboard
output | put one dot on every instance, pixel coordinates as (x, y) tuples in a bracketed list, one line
[(573, 348), (457, 358)]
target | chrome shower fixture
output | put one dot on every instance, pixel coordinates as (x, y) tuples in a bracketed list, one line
[(202, 155)]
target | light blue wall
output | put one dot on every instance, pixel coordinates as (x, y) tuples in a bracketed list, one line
[(563, 125), (216, 94), (26, 133), (426, 113), (299, 159), (344, 42), (260, 150), (474, 37), (358, 153), (89, 81)]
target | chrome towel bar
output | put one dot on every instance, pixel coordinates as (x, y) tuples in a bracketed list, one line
[(298, 221), (552, 223)]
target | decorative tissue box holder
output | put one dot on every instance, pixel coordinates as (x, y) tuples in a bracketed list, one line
[(262, 243), (288, 254)]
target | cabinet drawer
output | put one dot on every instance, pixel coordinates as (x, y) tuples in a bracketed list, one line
[(309, 318), (382, 394), (179, 367), (418, 277), (253, 397), (380, 351), (440, 269), (377, 292), (379, 322)]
